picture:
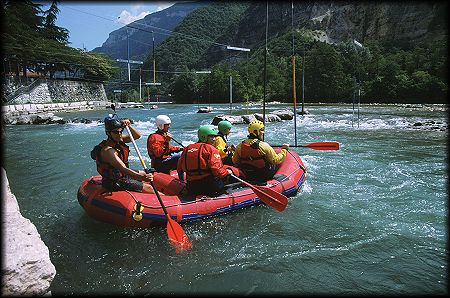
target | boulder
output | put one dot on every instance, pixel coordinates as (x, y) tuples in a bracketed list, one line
[(269, 117), (232, 119), (284, 114), (26, 267)]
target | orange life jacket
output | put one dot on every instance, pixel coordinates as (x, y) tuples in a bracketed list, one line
[(195, 166), (105, 169), (250, 155)]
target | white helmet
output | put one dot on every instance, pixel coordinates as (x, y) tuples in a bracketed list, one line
[(161, 120)]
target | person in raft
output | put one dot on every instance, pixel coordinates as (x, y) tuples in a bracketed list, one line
[(225, 151), (164, 156), (205, 172), (256, 158), (111, 157)]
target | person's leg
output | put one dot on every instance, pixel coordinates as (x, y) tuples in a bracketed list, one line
[(170, 163)]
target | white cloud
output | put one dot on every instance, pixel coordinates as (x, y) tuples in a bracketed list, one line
[(164, 5), (126, 17)]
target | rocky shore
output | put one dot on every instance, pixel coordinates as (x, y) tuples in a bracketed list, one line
[(26, 268)]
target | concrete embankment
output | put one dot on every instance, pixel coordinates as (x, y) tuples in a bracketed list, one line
[(26, 268)]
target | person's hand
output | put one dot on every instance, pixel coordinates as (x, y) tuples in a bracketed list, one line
[(148, 177), (125, 122), (168, 136), (285, 146)]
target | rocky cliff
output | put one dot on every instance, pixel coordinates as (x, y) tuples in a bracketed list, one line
[(26, 267), (404, 23)]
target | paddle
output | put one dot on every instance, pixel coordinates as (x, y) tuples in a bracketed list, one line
[(317, 146), (177, 142), (174, 231), (269, 196)]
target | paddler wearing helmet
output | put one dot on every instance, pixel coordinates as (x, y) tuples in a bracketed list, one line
[(221, 142), (256, 158), (201, 162), (163, 155), (111, 157)]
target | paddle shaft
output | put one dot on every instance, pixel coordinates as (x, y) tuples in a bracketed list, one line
[(177, 142), (317, 146)]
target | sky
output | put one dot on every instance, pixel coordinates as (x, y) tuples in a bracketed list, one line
[(90, 22)]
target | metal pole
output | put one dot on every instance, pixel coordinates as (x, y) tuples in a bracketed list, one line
[(128, 56), (359, 97), (294, 87), (303, 83), (154, 62), (231, 92), (295, 99), (265, 62), (354, 95), (140, 84)]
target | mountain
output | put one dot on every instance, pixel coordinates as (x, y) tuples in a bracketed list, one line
[(242, 24), (403, 45), (140, 34), (403, 24)]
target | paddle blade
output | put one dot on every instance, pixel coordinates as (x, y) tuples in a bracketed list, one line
[(271, 197), (323, 145), (177, 236)]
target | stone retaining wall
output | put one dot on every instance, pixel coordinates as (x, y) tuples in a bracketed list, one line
[(58, 96), (62, 91)]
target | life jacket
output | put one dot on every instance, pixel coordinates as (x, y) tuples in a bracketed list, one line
[(224, 153), (159, 137), (105, 169), (195, 166), (251, 157)]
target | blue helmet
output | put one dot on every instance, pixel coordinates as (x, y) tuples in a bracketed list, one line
[(112, 123)]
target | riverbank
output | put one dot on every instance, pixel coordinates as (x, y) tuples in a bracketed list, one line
[(44, 113), (26, 269)]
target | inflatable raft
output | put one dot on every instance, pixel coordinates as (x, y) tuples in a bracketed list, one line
[(121, 207)]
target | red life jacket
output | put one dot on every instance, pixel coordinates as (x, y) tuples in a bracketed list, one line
[(105, 169), (153, 141), (195, 166), (250, 155)]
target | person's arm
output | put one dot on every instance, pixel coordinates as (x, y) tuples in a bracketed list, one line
[(156, 145), (237, 155), (270, 154), (216, 165), (221, 146), (180, 168), (136, 134), (110, 156)]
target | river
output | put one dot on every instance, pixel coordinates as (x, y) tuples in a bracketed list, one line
[(371, 218)]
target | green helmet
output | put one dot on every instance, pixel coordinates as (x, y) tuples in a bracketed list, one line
[(224, 125), (206, 130)]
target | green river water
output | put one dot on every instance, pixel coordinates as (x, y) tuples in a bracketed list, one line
[(371, 218)]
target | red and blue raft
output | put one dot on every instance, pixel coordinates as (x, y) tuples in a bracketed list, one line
[(120, 207)]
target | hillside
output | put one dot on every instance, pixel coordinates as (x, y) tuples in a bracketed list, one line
[(140, 32)]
